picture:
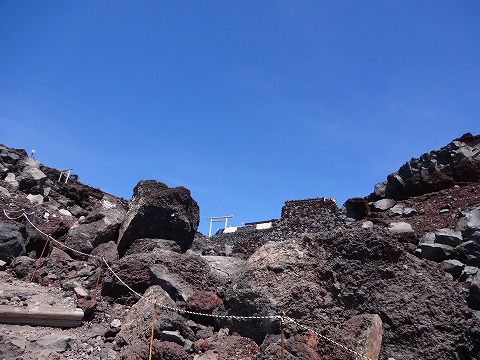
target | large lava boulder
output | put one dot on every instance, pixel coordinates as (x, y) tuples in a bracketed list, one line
[(157, 211)]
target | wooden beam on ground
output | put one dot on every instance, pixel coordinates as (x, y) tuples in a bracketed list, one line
[(41, 316)]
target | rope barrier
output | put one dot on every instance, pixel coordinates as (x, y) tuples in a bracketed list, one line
[(282, 317)]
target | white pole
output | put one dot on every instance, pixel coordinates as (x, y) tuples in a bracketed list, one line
[(210, 230)]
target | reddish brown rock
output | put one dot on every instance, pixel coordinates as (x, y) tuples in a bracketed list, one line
[(361, 335), (202, 345), (304, 346), (161, 350), (235, 347), (203, 302), (87, 305), (108, 251), (59, 257)]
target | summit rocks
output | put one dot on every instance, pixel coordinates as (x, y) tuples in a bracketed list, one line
[(342, 283), (456, 162)]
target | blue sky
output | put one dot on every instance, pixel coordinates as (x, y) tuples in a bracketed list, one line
[(246, 103)]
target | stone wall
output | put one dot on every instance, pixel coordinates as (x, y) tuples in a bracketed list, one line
[(310, 215), (297, 217)]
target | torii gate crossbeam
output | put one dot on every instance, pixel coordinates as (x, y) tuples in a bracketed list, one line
[(218, 219)]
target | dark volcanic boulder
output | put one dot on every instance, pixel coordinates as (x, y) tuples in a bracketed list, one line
[(157, 211), (456, 162), (356, 208), (13, 240), (469, 225), (9, 157), (178, 274), (100, 226)]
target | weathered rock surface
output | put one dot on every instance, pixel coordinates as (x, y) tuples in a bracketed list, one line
[(435, 252), (178, 274), (400, 227), (13, 241), (456, 162), (32, 179), (138, 323), (448, 237), (469, 225), (452, 266), (383, 204), (100, 226), (363, 334), (474, 297), (157, 211), (356, 208), (160, 350)]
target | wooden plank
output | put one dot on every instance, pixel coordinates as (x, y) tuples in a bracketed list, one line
[(41, 316)]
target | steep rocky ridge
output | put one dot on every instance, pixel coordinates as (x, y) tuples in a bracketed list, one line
[(393, 275)]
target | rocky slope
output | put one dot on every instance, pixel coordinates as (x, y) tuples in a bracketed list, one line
[(393, 275)]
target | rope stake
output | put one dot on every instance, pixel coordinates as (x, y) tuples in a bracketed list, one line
[(283, 335), (97, 285), (37, 264), (153, 330)]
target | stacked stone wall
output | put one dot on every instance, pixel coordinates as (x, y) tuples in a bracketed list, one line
[(310, 215)]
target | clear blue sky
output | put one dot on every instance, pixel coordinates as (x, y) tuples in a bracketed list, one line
[(246, 103)]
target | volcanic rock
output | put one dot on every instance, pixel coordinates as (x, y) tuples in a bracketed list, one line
[(100, 226), (456, 162), (400, 227), (356, 208), (148, 245), (331, 277), (469, 225), (157, 211), (382, 205), (138, 323), (160, 350), (203, 302), (363, 333), (32, 179), (179, 274), (474, 297), (452, 266), (11, 181), (448, 237), (172, 283), (435, 252), (13, 241)]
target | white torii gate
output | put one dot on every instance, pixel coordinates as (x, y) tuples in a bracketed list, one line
[(64, 174), (218, 219)]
